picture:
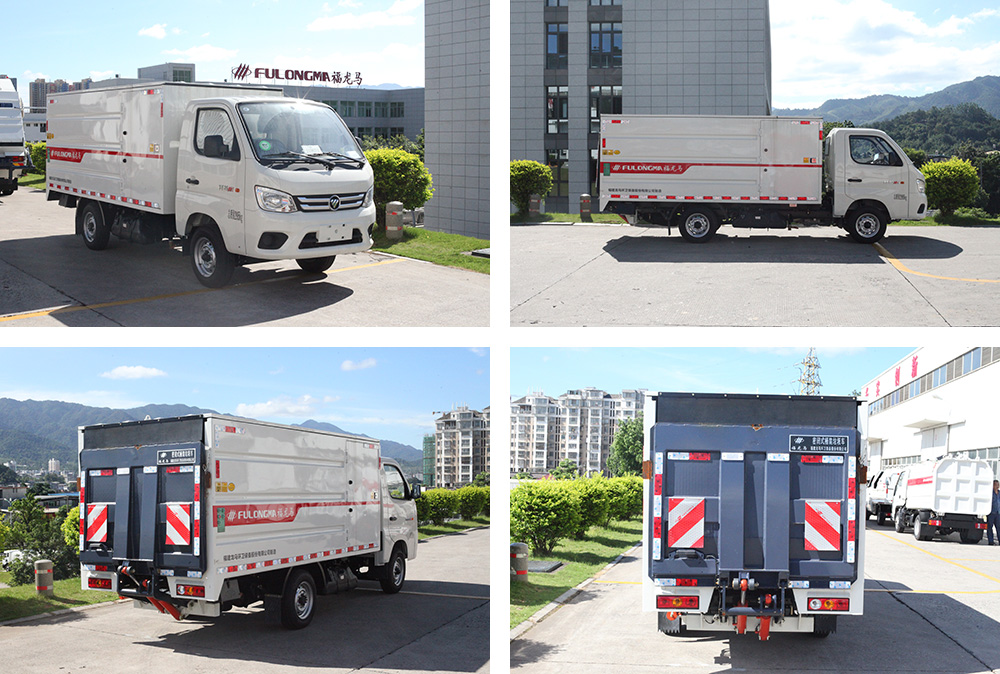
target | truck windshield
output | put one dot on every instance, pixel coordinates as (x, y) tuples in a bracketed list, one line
[(296, 130)]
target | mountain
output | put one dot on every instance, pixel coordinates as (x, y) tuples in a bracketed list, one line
[(32, 432), (983, 91)]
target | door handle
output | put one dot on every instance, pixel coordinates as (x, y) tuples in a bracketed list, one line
[(192, 181), (850, 180)]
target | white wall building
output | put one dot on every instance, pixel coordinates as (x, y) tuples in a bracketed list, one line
[(461, 446), (938, 400)]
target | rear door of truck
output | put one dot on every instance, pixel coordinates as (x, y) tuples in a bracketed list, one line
[(143, 504)]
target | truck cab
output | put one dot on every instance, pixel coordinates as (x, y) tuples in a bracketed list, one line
[(864, 169)]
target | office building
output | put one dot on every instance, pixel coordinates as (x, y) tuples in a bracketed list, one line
[(461, 447), (573, 60)]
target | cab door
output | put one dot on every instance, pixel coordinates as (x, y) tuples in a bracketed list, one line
[(875, 171), (210, 173), (399, 512)]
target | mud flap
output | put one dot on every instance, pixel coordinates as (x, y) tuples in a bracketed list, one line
[(668, 626), (272, 609)]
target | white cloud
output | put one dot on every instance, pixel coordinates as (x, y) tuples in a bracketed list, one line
[(351, 366), (480, 351), (133, 372), (98, 75), (205, 53), (29, 75), (157, 30), (175, 31), (282, 406), (401, 13)]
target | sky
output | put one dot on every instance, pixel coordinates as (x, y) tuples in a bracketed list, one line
[(857, 48), (554, 371), (381, 39), (390, 393)]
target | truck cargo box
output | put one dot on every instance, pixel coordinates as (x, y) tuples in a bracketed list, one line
[(751, 512), (940, 497)]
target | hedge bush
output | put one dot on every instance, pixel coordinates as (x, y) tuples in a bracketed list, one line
[(442, 504), (542, 513), (471, 501), (527, 178), (594, 502), (39, 153), (951, 184), (624, 498), (399, 176)]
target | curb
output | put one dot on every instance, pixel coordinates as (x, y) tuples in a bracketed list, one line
[(453, 533), (566, 597), (61, 612)]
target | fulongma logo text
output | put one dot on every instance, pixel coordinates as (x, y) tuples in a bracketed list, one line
[(242, 72)]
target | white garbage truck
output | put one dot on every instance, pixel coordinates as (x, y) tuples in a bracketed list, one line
[(751, 513), (698, 173), (238, 173), (197, 514), (14, 158), (944, 496)]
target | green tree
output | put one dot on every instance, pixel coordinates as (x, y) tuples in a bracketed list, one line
[(397, 142), (40, 537), (527, 178), (8, 476), (543, 513), (918, 157), (399, 176), (566, 470), (989, 173), (626, 448), (39, 153), (71, 528), (524, 475), (830, 126), (481, 480), (951, 184)]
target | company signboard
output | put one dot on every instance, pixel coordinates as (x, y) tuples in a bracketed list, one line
[(243, 72)]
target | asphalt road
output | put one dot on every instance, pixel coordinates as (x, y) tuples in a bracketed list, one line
[(439, 622), (49, 278), (929, 607), (599, 275)]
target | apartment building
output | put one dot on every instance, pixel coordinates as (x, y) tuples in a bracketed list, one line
[(461, 446)]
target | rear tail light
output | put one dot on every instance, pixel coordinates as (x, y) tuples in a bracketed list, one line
[(934, 523), (828, 604), (99, 583), (191, 590), (670, 602), (980, 525), (687, 582)]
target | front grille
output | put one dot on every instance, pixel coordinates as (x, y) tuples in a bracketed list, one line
[(321, 202)]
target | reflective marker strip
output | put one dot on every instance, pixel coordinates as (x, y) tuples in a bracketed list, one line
[(799, 584), (103, 195), (178, 524), (658, 465), (689, 456), (197, 511), (732, 456), (282, 561), (777, 456), (686, 523), (97, 522), (822, 530), (852, 474)]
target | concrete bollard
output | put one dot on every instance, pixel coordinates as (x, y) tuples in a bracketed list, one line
[(519, 561), (585, 207), (394, 220), (534, 205), (43, 578)]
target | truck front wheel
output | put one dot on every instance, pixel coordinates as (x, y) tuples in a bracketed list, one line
[(96, 231), (394, 573), (900, 521), (298, 600), (866, 225), (316, 265), (212, 263), (698, 225)]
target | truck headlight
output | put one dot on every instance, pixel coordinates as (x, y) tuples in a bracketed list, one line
[(369, 197), (274, 200), (921, 186)]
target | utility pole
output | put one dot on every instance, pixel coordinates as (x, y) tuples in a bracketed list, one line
[(809, 381)]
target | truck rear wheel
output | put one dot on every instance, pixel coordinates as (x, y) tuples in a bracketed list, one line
[(882, 515), (394, 573), (212, 263), (698, 224), (866, 225), (922, 531), (298, 600), (316, 265), (96, 231), (971, 536)]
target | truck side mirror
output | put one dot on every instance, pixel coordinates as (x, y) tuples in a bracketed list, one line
[(414, 491), (215, 147)]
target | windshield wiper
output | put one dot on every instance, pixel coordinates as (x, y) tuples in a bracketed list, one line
[(344, 157), (317, 159)]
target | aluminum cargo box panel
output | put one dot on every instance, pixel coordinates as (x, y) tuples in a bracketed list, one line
[(150, 432), (748, 409)]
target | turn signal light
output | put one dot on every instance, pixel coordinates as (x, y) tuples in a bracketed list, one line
[(827, 604), (670, 602), (191, 590)]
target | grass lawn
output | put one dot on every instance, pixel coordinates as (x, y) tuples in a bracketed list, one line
[(32, 180), (581, 560), (437, 247), (21, 601), (607, 218), (451, 526), (956, 220)]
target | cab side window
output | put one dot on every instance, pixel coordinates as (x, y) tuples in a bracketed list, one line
[(214, 135), (873, 151), (394, 482)]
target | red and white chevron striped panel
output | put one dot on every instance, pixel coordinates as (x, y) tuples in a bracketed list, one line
[(823, 525), (686, 523), (178, 524), (97, 523)]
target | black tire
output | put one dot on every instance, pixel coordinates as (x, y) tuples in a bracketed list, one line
[(316, 265), (922, 531), (393, 574), (900, 521), (866, 225), (698, 224), (868, 514), (213, 264), (96, 231), (971, 536), (298, 600), (882, 517)]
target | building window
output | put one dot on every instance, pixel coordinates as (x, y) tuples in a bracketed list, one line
[(605, 45), (559, 164), (396, 109), (606, 100), (382, 109), (362, 131), (556, 45), (555, 3), (182, 76), (557, 101), (365, 109), (345, 108), (604, 3), (397, 131)]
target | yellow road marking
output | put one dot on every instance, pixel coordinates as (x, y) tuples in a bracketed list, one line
[(155, 298), (978, 573), (894, 261)]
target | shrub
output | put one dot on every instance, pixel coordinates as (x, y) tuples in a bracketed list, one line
[(399, 176), (542, 513), (527, 178), (423, 508), (71, 528), (39, 153), (442, 504), (973, 213), (471, 501), (951, 184), (624, 498), (594, 501)]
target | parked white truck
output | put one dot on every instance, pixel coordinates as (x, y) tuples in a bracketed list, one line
[(879, 494), (14, 159), (698, 173), (941, 497), (194, 515), (239, 173)]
